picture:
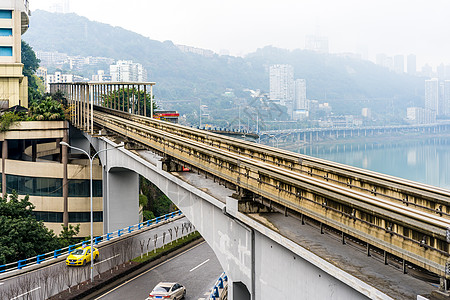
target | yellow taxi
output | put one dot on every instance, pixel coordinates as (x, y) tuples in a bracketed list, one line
[(81, 255)]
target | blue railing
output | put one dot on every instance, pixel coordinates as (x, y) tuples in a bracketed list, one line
[(219, 287), (36, 260)]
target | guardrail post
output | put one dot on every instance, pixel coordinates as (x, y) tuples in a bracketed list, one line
[(108, 236), (172, 215), (70, 248), (166, 217), (21, 264), (39, 258), (179, 212), (97, 240), (149, 222), (119, 232), (216, 292), (225, 278), (130, 228), (157, 220), (220, 283), (56, 253), (139, 226)]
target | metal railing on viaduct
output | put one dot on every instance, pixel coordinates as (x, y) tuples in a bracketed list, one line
[(402, 218)]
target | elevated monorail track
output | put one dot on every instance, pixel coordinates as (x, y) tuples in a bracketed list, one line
[(420, 196), (371, 208)]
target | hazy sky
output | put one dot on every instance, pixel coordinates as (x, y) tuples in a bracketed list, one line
[(241, 26)]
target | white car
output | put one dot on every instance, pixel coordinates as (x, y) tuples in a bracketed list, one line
[(167, 291)]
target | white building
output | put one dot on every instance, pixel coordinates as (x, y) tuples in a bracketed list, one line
[(300, 104), (366, 112), (399, 64), (127, 71), (411, 67), (101, 76), (432, 95), (446, 99), (59, 77), (282, 84), (419, 115)]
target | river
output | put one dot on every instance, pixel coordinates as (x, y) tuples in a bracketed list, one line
[(421, 159)]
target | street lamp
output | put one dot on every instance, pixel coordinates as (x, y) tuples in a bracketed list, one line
[(91, 158)]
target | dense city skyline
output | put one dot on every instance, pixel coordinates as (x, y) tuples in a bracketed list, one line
[(241, 27)]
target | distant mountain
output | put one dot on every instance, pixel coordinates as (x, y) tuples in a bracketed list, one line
[(182, 75)]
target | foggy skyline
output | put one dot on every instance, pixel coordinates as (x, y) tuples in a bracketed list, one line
[(418, 27)]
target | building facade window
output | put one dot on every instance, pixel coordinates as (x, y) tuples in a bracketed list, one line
[(51, 187), (84, 217), (5, 32), (5, 14), (6, 51), (74, 217), (80, 188)]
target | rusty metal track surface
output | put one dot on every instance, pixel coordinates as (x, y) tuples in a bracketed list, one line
[(408, 193), (412, 234)]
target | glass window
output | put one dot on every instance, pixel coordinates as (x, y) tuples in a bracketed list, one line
[(51, 187), (5, 14), (5, 32), (84, 217), (49, 216), (80, 188), (6, 51)]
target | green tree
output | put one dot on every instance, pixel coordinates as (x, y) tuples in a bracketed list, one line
[(46, 110), (67, 235), (129, 99), (158, 204), (30, 65), (21, 235), (8, 119)]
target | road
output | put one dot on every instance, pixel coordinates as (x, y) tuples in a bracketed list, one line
[(197, 269), (50, 280)]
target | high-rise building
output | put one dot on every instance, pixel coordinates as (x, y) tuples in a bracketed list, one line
[(300, 95), (427, 71), (440, 71), (446, 102), (399, 64), (419, 115), (411, 66), (282, 84), (127, 71), (300, 104), (14, 22), (384, 61), (432, 95)]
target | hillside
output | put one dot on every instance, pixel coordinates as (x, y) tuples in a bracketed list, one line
[(189, 76)]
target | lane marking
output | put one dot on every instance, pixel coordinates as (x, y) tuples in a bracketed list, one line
[(157, 266), (17, 297), (199, 265)]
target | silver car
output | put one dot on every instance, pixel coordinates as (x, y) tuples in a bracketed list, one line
[(167, 291)]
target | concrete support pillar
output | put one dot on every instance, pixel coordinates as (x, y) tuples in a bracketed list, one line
[(122, 201), (4, 158), (64, 160)]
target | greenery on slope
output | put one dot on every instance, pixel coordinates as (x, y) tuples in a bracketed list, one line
[(341, 81)]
